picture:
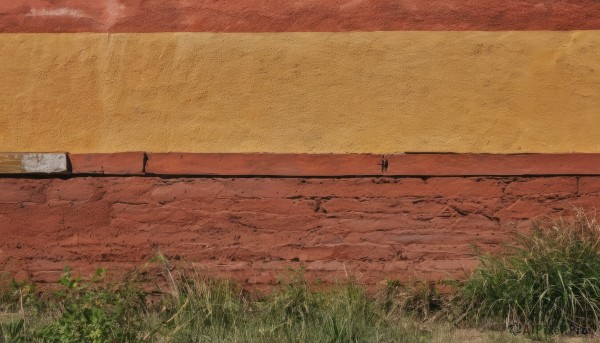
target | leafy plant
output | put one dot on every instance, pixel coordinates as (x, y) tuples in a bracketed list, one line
[(94, 311)]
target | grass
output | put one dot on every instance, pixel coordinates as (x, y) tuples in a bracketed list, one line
[(198, 309), (547, 284), (544, 286)]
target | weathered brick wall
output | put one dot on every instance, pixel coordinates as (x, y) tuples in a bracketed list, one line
[(253, 229)]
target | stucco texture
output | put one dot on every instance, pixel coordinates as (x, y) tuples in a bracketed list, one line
[(297, 15), (376, 92)]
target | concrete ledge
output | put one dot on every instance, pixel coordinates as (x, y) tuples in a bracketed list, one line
[(33, 163)]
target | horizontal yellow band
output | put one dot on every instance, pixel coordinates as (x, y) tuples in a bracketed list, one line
[(378, 92)]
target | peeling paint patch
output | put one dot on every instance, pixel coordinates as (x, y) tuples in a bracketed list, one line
[(56, 12), (114, 12), (351, 4), (46, 163)]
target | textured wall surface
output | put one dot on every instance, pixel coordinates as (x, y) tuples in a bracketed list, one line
[(256, 228), (294, 77), (297, 15), (377, 92)]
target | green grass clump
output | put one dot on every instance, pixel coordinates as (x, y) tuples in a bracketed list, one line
[(549, 283), (201, 309), (296, 312), (219, 311)]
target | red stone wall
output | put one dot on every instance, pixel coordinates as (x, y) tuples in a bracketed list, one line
[(255, 228)]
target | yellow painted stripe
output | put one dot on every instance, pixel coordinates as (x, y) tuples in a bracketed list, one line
[(379, 92)]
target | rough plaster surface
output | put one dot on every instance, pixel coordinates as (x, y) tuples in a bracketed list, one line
[(379, 92), (297, 15), (253, 229)]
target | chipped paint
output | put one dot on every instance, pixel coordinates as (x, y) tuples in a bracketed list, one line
[(44, 163), (56, 12)]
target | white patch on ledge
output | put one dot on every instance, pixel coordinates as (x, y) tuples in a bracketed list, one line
[(55, 12), (44, 163)]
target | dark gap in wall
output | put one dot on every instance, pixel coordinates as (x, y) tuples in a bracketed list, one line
[(145, 162)]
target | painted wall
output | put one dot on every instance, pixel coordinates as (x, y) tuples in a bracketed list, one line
[(377, 92), (294, 77)]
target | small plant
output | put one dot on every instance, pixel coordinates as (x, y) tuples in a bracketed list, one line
[(15, 298), (548, 284), (16, 295), (94, 311)]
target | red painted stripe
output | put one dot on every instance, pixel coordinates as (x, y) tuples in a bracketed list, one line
[(363, 165), (289, 16), (494, 165), (127, 163), (263, 164)]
